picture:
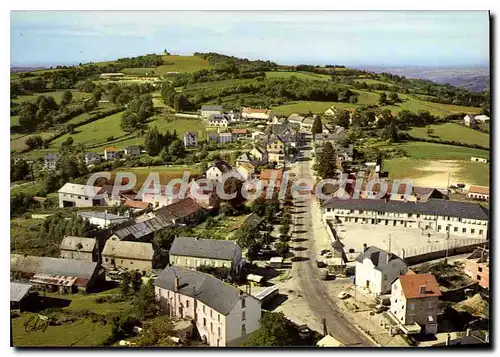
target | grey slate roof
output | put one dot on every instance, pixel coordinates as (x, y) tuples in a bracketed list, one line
[(211, 107), (129, 250), (101, 215), (54, 266), (378, 257), (204, 248), (222, 166), (81, 244), (18, 291), (431, 207), (209, 290), (138, 230)]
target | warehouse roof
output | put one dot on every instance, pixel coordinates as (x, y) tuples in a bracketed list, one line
[(205, 248), (431, 207), (18, 291), (130, 250), (77, 189), (81, 244), (204, 287), (378, 257)]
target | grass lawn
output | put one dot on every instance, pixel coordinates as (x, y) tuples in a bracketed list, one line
[(299, 75), (14, 120), (182, 64), (17, 142), (57, 95), (223, 227), (103, 107), (432, 151), (455, 132), (476, 173), (303, 107), (438, 109), (372, 81)]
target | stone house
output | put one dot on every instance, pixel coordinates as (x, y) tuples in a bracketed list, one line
[(79, 248), (128, 256)]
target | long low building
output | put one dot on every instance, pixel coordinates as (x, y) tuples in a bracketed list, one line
[(459, 218), (65, 275)]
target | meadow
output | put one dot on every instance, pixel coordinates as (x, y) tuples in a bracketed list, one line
[(300, 75), (432, 151), (452, 132), (183, 64), (303, 107), (57, 95)]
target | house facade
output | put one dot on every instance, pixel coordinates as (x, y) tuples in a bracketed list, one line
[(477, 267), (257, 114), (479, 193), (132, 151), (219, 120), (79, 248), (128, 256), (111, 153), (75, 195), (225, 138), (190, 139), (92, 158), (223, 315), (50, 161), (435, 215), (260, 155), (376, 269), (415, 300), (217, 170), (189, 252), (470, 120), (276, 151), (246, 170)]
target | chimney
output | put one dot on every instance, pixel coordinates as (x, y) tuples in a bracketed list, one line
[(422, 290), (467, 333), (448, 339), (176, 284)]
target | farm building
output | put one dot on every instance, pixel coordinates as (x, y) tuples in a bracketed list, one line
[(79, 248), (479, 193), (207, 110), (123, 256), (65, 275), (75, 195), (19, 295), (102, 219), (478, 159)]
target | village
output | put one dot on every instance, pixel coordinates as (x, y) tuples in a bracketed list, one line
[(372, 264)]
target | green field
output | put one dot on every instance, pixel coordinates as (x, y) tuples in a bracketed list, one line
[(139, 71), (166, 173), (303, 107), (373, 81), (453, 131), (184, 64), (77, 96), (432, 151), (17, 141), (299, 75)]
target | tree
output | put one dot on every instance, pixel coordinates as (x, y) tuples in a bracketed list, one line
[(164, 238), (125, 283), (250, 239), (382, 100), (34, 142), (282, 248), (66, 98), (97, 94), (317, 127), (156, 333), (145, 302), (394, 98), (176, 149), (275, 331), (326, 164), (19, 170), (342, 118), (90, 104), (430, 131), (153, 141), (136, 281)]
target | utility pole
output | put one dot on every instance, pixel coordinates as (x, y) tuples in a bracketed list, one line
[(447, 243)]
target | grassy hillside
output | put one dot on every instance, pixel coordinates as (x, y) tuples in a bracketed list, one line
[(57, 95), (303, 107), (301, 75), (184, 64), (453, 131), (424, 150)]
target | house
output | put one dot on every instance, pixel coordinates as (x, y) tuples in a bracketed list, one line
[(260, 155), (245, 158), (111, 75), (399, 192), (329, 341), (141, 230), (102, 220), (477, 267), (207, 110), (246, 170), (92, 158), (132, 151), (50, 161), (415, 303), (268, 176), (111, 153), (276, 151), (225, 138), (65, 275), (213, 136), (219, 120), (470, 120), (19, 295), (239, 132), (482, 118), (75, 195), (189, 252), (223, 315), (162, 198), (257, 114), (258, 135), (185, 211), (307, 123), (79, 248), (217, 170), (478, 159), (479, 193), (128, 256), (376, 269), (137, 206), (295, 118), (190, 139), (434, 215)]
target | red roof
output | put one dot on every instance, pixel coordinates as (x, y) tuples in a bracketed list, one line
[(239, 131), (484, 190), (266, 174), (412, 283), (136, 204), (182, 208)]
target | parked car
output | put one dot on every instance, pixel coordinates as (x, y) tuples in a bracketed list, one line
[(380, 308)]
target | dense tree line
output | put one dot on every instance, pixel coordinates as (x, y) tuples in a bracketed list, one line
[(233, 64), (146, 61), (138, 111)]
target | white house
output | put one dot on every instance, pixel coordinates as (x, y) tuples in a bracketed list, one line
[(478, 159), (217, 170), (50, 161), (376, 269), (482, 118), (257, 114), (219, 120), (190, 139), (479, 192), (189, 252), (223, 315), (470, 120), (75, 195), (415, 302), (111, 153), (225, 138), (207, 110), (102, 220), (246, 170), (92, 158), (132, 151), (213, 136), (434, 215)]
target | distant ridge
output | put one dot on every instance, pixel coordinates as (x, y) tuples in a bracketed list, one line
[(24, 69)]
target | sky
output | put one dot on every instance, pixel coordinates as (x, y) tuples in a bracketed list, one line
[(356, 38)]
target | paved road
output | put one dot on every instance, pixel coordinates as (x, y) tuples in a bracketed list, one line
[(306, 273)]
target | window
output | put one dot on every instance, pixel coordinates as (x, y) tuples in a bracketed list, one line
[(418, 216), (439, 228), (243, 316), (218, 331), (472, 231), (204, 322), (464, 230), (79, 197), (106, 260), (203, 308), (187, 303), (480, 231), (478, 277), (243, 330), (211, 314), (131, 262), (479, 269), (218, 317), (242, 303), (211, 327), (455, 229)]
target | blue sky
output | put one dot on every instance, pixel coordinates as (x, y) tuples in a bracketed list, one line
[(371, 38)]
